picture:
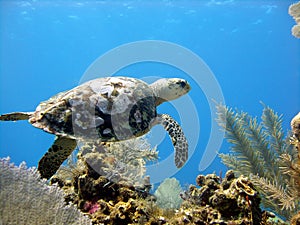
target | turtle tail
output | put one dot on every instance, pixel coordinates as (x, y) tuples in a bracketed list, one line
[(15, 116)]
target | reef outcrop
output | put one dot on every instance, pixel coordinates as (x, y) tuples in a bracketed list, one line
[(294, 11), (213, 200), (231, 200)]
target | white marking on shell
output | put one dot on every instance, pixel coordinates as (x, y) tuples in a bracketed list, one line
[(104, 107), (121, 103), (106, 131), (80, 124), (107, 90), (138, 116), (98, 87), (98, 121), (101, 102), (84, 119), (74, 102), (116, 80), (95, 85)]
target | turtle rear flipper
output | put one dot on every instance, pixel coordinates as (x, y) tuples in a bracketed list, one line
[(178, 139), (16, 116), (56, 155)]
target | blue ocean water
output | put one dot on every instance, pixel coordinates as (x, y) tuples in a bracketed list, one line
[(47, 46)]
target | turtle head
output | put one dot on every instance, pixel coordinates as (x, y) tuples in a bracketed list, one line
[(168, 89)]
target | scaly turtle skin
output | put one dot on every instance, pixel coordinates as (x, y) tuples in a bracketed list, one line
[(109, 109)]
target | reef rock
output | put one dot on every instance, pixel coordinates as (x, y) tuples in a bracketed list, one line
[(220, 201), (294, 11), (227, 201)]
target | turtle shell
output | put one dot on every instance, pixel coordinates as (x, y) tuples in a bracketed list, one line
[(110, 109)]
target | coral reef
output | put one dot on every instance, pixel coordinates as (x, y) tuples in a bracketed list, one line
[(295, 139), (217, 201), (27, 199), (294, 11), (168, 194), (296, 219), (105, 201), (111, 195), (220, 201), (108, 182), (261, 151)]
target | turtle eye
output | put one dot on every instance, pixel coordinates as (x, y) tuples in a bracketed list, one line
[(182, 84)]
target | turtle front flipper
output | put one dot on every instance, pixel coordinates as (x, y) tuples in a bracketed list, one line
[(15, 116), (56, 155), (178, 139)]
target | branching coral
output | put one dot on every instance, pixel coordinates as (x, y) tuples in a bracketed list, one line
[(260, 150), (26, 199), (120, 161), (247, 136), (294, 11), (123, 162)]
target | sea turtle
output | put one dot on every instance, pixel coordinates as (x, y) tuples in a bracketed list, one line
[(107, 109)]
